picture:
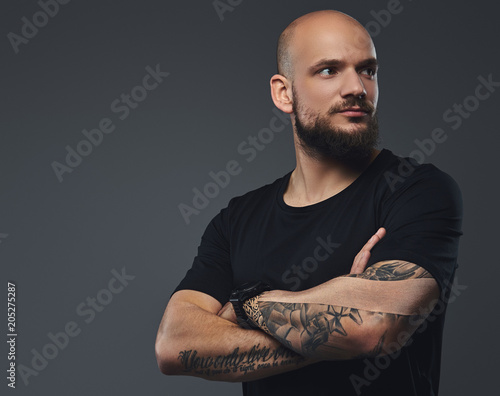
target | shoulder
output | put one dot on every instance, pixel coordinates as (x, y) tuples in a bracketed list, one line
[(253, 203), (257, 197), (403, 175)]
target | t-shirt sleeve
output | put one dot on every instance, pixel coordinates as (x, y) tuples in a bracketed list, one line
[(423, 219), (211, 271)]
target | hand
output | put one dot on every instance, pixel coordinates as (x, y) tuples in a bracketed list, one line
[(361, 259), (227, 312)]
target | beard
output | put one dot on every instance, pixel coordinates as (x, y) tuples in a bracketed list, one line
[(321, 140)]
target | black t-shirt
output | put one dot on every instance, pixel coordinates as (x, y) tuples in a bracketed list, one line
[(258, 236)]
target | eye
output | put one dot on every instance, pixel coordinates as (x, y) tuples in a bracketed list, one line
[(369, 71), (327, 71)]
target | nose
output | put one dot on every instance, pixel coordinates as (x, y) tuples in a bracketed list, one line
[(353, 85)]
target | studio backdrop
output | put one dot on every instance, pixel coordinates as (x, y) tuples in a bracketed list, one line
[(117, 118)]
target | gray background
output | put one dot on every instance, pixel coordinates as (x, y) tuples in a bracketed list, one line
[(119, 207)]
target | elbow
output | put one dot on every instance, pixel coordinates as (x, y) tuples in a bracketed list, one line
[(164, 365), (385, 341), (167, 362), (371, 346)]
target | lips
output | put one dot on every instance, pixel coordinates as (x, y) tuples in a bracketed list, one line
[(354, 112)]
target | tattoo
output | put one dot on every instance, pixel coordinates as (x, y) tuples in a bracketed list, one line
[(307, 325), (251, 308), (379, 348), (393, 271), (313, 329), (256, 358)]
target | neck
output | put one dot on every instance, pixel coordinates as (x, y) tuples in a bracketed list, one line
[(316, 179)]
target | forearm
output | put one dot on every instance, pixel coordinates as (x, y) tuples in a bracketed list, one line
[(346, 318), (199, 343), (331, 332)]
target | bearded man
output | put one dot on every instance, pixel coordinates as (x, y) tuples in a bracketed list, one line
[(333, 279)]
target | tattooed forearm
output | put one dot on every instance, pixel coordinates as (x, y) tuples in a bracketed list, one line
[(393, 271), (257, 358), (322, 323), (307, 326), (327, 331)]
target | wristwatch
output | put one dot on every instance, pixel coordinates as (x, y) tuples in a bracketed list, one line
[(243, 293)]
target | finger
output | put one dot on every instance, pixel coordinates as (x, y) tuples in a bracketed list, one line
[(374, 239), (358, 266), (224, 309), (229, 315), (361, 259), (360, 263), (355, 263)]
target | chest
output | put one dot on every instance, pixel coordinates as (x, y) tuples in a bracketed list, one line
[(297, 251)]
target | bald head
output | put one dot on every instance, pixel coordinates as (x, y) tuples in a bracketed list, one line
[(303, 26)]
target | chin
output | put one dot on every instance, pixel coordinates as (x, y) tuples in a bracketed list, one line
[(352, 127)]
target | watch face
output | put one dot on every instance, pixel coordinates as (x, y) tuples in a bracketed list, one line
[(251, 289)]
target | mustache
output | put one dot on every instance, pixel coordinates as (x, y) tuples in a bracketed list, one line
[(352, 102)]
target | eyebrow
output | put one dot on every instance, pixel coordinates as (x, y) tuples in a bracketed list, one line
[(369, 62)]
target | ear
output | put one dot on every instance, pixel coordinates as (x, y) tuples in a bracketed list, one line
[(281, 92)]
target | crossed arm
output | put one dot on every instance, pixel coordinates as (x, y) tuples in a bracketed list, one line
[(193, 340), (353, 316), (358, 315)]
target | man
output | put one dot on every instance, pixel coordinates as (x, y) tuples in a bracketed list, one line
[(339, 311)]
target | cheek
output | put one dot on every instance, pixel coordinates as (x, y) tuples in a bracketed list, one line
[(319, 97), (373, 94)]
